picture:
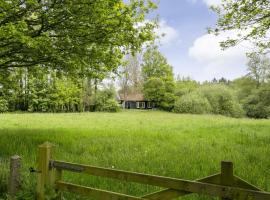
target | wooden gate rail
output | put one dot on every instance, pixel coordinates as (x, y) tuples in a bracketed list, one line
[(224, 185)]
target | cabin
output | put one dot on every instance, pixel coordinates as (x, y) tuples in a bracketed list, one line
[(135, 101)]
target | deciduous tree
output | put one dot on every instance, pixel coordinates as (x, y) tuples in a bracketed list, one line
[(158, 79), (250, 17), (71, 34)]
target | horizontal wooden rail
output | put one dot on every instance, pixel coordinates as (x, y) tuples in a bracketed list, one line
[(225, 184), (97, 193), (172, 183), (171, 193)]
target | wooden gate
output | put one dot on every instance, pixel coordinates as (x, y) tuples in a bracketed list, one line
[(224, 184)]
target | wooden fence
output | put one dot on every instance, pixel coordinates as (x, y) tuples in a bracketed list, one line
[(225, 185)]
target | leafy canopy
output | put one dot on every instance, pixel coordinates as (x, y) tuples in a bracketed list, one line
[(158, 80), (252, 17), (70, 34)]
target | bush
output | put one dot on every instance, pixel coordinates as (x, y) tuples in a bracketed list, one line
[(3, 105), (193, 103), (258, 111), (109, 106), (257, 105), (105, 101), (223, 100)]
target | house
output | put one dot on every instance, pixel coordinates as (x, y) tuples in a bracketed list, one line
[(135, 101)]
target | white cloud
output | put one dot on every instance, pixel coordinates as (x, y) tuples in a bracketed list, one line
[(168, 34), (208, 2), (215, 62), (212, 2)]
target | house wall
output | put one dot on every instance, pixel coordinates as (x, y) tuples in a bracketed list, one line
[(134, 104), (130, 105)]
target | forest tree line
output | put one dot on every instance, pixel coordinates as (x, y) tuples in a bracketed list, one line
[(43, 89), (245, 96)]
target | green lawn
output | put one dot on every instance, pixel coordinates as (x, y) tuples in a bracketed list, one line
[(182, 146)]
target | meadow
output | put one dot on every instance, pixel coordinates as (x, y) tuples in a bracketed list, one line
[(168, 144)]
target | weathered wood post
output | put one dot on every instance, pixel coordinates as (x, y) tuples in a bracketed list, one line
[(45, 174), (14, 177), (227, 177)]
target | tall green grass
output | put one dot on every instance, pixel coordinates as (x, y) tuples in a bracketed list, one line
[(182, 146)]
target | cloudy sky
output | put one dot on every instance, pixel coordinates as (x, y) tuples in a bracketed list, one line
[(187, 46)]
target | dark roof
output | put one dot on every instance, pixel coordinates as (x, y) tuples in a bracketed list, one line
[(131, 97)]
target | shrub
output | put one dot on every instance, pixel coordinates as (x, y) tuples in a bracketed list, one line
[(109, 106), (3, 105), (257, 105), (223, 100), (105, 101), (193, 103)]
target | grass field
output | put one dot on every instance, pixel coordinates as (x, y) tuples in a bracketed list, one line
[(182, 146)]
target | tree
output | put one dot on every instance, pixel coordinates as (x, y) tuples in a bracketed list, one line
[(155, 65), (222, 99), (158, 81), (252, 17), (259, 68), (105, 100), (130, 79), (69, 34), (184, 86), (244, 86), (257, 104)]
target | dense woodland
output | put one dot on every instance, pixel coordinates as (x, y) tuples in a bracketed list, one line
[(42, 89)]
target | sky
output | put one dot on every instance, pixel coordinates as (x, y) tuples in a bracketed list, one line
[(190, 49)]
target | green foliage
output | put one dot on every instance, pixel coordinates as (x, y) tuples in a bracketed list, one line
[(72, 35), (130, 79), (223, 100), (3, 105), (156, 65), (250, 16), (185, 86), (105, 100), (257, 105), (111, 105), (259, 68), (158, 79), (48, 90), (244, 87), (194, 103), (160, 92)]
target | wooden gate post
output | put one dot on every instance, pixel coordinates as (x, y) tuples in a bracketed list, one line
[(14, 177), (45, 174), (227, 177)]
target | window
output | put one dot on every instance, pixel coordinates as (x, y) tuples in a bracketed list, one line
[(143, 105), (148, 104), (140, 104)]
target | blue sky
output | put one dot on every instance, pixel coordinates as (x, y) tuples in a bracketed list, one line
[(187, 46)]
